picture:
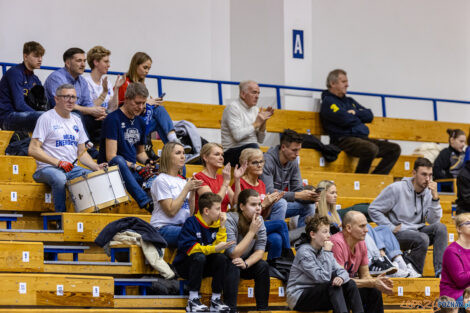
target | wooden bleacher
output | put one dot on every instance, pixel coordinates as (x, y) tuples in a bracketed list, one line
[(21, 194)]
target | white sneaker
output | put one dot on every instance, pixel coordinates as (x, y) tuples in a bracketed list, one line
[(413, 273), (400, 274)]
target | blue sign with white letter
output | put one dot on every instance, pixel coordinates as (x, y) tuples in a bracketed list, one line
[(297, 44)]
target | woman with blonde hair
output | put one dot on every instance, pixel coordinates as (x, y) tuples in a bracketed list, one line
[(173, 196), (278, 234), (212, 158), (155, 115), (382, 245), (455, 275)]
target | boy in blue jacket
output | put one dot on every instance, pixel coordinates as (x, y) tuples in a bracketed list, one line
[(201, 246), (344, 119)]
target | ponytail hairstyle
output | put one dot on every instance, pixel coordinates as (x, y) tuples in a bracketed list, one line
[(243, 222), (454, 133)]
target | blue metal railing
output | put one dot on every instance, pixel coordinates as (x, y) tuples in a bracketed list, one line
[(277, 89)]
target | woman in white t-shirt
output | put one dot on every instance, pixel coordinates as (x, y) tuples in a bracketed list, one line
[(172, 195)]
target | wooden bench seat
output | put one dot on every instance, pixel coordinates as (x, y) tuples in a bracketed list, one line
[(56, 290)]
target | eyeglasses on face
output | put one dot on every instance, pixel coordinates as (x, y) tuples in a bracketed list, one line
[(465, 223), (257, 163), (68, 97)]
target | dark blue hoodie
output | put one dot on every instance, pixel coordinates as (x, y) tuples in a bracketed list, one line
[(338, 122)]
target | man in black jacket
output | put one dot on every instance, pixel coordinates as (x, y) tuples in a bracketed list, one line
[(344, 120)]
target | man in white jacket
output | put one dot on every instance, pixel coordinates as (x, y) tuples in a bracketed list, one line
[(406, 206), (243, 123)]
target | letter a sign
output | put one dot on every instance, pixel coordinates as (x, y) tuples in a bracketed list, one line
[(297, 44)]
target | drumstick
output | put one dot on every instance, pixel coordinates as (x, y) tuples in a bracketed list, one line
[(88, 145)]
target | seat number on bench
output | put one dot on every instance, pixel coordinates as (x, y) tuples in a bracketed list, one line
[(60, 290), (400, 291), (47, 198), (427, 291), (250, 292), (357, 185), (26, 256), (281, 291), (14, 196), (15, 169), (451, 237), (79, 227), (407, 166), (22, 289), (96, 291)]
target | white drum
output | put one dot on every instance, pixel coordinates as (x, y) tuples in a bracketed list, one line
[(97, 190)]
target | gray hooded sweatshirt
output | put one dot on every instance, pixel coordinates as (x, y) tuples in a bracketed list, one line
[(400, 204), (281, 178), (310, 268)]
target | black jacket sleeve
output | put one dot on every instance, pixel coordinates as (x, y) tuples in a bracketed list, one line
[(441, 165)]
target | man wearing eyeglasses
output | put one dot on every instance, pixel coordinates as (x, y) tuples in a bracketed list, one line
[(243, 123), (74, 66), (406, 206), (58, 141)]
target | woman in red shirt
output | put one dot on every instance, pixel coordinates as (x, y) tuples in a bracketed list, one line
[(212, 157), (278, 234)]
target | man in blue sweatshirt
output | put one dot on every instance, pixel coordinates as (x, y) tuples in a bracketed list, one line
[(15, 85), (344, 120), (406, 206)]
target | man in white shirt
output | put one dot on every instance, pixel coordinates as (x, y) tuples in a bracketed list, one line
[(58, 140), (243, 123)]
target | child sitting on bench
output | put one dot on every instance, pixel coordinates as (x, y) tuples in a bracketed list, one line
[(201, 246)]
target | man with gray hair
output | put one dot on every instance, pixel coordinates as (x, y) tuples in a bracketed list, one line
[(344, 120), (123, 140), (243, 123), (58, 141)]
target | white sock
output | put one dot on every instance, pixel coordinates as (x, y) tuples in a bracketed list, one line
[(401, 263), (215, 296), (172, 137), (193, 295)]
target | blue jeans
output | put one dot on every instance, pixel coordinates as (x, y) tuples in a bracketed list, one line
[(385, 239), (132, 180), (56, 178), (282, 209), (170, 233), (21, 121), (161, 123), (278, 238)]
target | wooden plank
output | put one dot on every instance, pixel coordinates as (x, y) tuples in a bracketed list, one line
[(18, 196), (352, 185), (41, 290), (151, 302), (92, 223), (92, 310), (209, 116), (413, 289), (32, 236), (17, 168), (5, 136), (137, 259), (21, 256)]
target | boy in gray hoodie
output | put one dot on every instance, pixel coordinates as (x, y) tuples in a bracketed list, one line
[(316, 280), (405, 207)]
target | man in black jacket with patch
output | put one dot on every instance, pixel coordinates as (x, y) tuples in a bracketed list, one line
[(344, 120)]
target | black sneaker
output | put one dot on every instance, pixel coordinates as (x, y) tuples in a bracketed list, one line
[(195, 305), (218, 306), (378, 267)]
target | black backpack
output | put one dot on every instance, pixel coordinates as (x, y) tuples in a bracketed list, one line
[(329, 152)]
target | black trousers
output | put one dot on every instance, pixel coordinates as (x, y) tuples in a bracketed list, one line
[(325, 297), (371, 300), (367, 150), (198, 265), (232, 155), (260, 273)]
